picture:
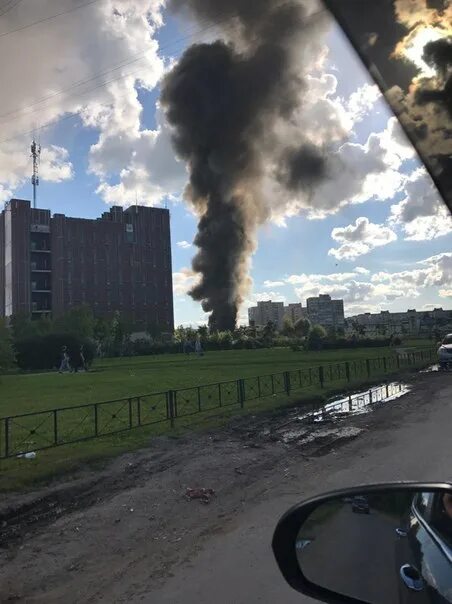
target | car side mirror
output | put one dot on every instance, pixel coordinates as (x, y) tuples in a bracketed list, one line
[(360, 545)]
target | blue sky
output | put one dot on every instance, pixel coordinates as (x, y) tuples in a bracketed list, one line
[(402, 264)]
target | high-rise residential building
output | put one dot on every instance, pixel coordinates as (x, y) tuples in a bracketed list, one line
[(118, 262), (325, 311), (411, 322), (266, 312), (295, 311), (275, 312)]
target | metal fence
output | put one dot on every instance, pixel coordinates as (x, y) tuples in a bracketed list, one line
[(20, 434)]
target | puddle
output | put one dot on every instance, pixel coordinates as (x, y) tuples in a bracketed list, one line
[(358, 403), (320, 426), (431, 369)]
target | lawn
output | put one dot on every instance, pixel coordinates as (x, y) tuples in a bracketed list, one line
[(133, 376)]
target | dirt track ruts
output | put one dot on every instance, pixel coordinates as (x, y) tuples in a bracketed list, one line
[(127, 533)]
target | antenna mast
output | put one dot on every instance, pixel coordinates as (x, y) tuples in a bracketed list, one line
[(35, 154)]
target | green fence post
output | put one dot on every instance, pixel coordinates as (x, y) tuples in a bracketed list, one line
[(170, 410), (321, 376), (55, 427), (138, 399), (385, 367), (6, 436), (130, 413), (347, 371), (241, 387), (287, 382), (368, 367), (96, 420)]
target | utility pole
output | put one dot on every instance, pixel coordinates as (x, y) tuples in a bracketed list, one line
[(35, 154)]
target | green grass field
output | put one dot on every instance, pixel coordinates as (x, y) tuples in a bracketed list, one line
[(134, 376), (131, 377)]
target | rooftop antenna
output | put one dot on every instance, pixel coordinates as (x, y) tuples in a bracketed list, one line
[(136, 203), (35, 154)]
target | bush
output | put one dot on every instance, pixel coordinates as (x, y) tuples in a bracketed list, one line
[(317, 338), (7, 358), (44, 351), (333, 343)]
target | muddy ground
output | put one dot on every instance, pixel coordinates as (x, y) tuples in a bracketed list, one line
[(120, 534)]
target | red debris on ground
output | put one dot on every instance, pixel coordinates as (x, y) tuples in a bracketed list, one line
[(205, 495)]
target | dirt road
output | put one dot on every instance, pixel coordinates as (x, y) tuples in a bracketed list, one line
[(128, 534)]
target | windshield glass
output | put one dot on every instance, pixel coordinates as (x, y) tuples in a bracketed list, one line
[(407, 47)]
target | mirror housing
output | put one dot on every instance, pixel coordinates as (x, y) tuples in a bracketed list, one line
[(287, 544)]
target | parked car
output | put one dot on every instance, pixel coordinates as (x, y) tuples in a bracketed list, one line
[(445, 352), (360, 505), (423, 551)]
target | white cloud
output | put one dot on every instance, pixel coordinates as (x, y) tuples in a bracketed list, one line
[(360, 290), (15, 166), (185, 245), (422, 214), (91, 63), (361, 270), (360, 238), (274, 283), (362, 101), (356, 173), (255, 297), (445, 293), (184, 280)]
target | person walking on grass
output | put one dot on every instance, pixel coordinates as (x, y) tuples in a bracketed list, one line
[(82, 361), (198, 347), (64, 366)]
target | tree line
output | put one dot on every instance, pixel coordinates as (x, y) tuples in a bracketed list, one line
[(37, 344)]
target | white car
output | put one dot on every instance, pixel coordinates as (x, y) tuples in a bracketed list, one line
[(445, 352)]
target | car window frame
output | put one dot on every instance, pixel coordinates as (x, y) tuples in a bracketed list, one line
[(432, 532)]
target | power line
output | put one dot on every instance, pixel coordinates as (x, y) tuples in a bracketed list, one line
[(50, 18), (122, 76), (134, 59), (12, 4), (124, 63)]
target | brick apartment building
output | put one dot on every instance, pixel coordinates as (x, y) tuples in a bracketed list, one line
[(322, 310), (120, 261)]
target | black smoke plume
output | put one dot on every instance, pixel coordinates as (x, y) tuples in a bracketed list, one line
[(222, 100)]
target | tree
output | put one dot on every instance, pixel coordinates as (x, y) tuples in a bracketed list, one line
[(269, 331), (302, 327), (78, 321), (316, 337), (153, 329), (7, 356), (288, 327), (22, 326), (120, 333), (101, 330), (203, 332), (179, 334), (225, 339), (381, 329)]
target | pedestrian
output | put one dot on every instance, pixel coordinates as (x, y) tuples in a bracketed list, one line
[(82, 359), (64, 366), (82, 362), (198, 347)]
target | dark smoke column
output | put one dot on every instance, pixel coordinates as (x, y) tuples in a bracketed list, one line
[(222, 100)]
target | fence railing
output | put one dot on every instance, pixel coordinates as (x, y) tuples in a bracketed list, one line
[(21, 434)]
